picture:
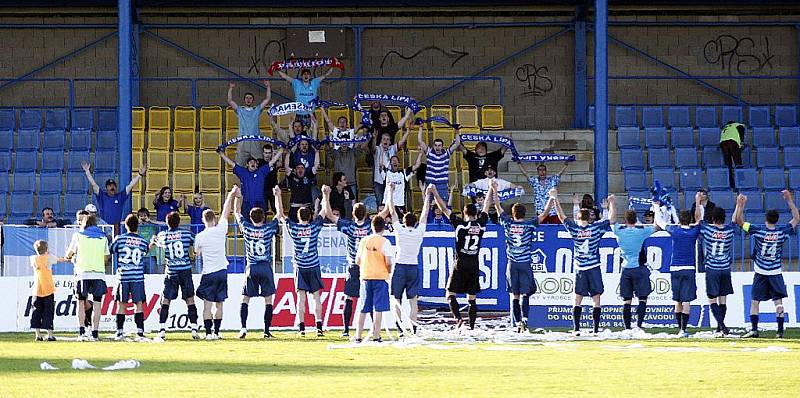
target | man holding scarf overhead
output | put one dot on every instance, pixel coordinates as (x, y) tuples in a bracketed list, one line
[(479, 159), (305, 91), (438, 162), (248, 123)]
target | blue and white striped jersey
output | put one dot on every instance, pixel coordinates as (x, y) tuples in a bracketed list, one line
[(768, 246), (586, 243), (519, 237), (127, 251), (354, 232), (304, 238), (176, 244), (717, 245), (437, 167), (257, 240)]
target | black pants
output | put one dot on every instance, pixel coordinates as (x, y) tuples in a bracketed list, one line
[(732, 155), (43, 312), (269, 202)]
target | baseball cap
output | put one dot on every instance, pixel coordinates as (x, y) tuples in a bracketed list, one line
[(111, 181), (90, 208), (490, 166)]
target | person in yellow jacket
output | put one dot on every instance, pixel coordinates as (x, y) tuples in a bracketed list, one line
[(731, 142), (374, 259), (88, 252)]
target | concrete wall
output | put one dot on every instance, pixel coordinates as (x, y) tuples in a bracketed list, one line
[(538, 85)]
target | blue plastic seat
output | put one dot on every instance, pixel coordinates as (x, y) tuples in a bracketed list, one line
[(655, 137), (682, 137), (73, 202), (55, 119), (686, 157), (80, 140), (732, 114), (764, 137), (794, 179), (5, 183), (717, 178), (52, 201), (773, 179), (8, 120), (3, 204), (53, 161), (5, 161), (665, 176), (628, 137), (785, 116), (625, 116), (712, 157), (24, 182), (635, 180), (659, 158), (773, 200), (652, 116), (6, 140), (50, 183), (631, 159), (768, 158), (791, 157), (679, 116), (21, 205), (54, 139), (74, 159), (746, 178), (708, 136), (789, 136), (754, 198), (706, 116), (106, 141), (26, 161), (28, 140), (691, 179), (107, 120), (759, 116), (30, 119), (82, 119), (105, 161), (723, 199), (77, 182), (747, 157)]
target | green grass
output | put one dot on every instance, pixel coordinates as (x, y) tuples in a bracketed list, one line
[(294, 367)]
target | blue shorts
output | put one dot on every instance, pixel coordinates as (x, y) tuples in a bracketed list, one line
[(684, 285), (589, 282), (519, 279), (181, 280), (308, 279), (718, 283), (214, 286), (133, 291), (768, 287), (96, 287), (634, 282), (405, 278), (352, 286), (375, 295), (260, 281)]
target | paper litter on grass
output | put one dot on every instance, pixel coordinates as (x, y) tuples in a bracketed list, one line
[(124, 364), (47, 366), (82, 364)]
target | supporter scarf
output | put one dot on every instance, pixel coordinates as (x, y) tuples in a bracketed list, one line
[(633, 201), (398, 99), (366, 119), (494, 139), (542, 157), (504, 195), (238, 139), (438, 119), (337, 141), (660, 193), (294, 141), (301, 63), (289, 107), (318, 103)]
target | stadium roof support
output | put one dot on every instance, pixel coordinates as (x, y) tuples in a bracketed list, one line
[(125, 30), (601, 99)]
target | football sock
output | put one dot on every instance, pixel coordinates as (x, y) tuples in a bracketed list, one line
[(81, 330), (163, 315), (516, 311), (780, 323), (192, 311), (217, 325), (576, 317), (473, 313), (526, 307), (138, 318), (88, 312), (626, 315), (454, 307), (94, 333), (120, 322), (301, 326), (348, 314), (596, 318), (243, 315), (267, 317), (679, 319), (685, 321), (723, 310), (319, 325), (207, 325), (754, 322), (716, 313), (641, 311)]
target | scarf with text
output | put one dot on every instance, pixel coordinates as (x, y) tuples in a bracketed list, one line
[(542, 157), (302, 63), (241, 138), (489, 138), (289, 107), (396, 99)]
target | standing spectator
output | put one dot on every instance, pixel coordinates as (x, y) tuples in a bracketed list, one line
[(305, 90), (164, 204), (306, 154), (542, 184), (480, 159), (382, 154), (342, 196), (397, 177), (346, 156), (438, 162), (385, 123), (253, 179), (195, 211), (297, 129), (731, 142), (109, 200), (706, 206), (248, 122), (300, 187), (272, 158), (587, 203), (44, 289)]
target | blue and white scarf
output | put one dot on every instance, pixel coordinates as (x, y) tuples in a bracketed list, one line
[(251, 137), (397, 99), (504, 195), (437, 119), (289, 107), (634, 202), (494, 139), (542, 157)]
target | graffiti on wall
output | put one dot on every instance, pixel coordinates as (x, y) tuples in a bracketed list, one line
[(534, 79), (453, 54), (263, 55), (738, 55)]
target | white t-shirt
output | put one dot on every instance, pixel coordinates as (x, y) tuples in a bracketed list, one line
[(409, 241), (212, 244), (80, 273), (383, 158), (398, 178)]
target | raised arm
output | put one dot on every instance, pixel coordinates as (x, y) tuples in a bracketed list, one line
[(426, 208), (277, 156), (738, 212), (557, 203), (495, 197), (135, 180), (328, 121), (787, 195), (326, 210), (406, 116), (237, 204), (282, 133), (325, 76), (279, 214), (286, 77), (226, 207), (86, 169), (422, 145), (226, 158), (612, 209), (563, 169), (547, 207), (698, 215), (231, 103), (439, 201), (269, 95), (522, 169), (457, 142), (487, 202), (402, 143), (390, 202)]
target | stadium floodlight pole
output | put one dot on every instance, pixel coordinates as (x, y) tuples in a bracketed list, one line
[(124, 94), (601, 99)]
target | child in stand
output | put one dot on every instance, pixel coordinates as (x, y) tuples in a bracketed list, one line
[(195, 211), (44, 288)]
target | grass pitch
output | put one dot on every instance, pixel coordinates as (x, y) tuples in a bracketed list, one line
[(293, 367)]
